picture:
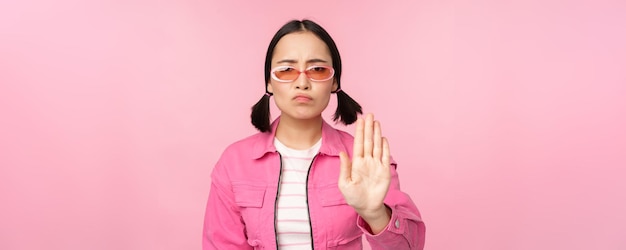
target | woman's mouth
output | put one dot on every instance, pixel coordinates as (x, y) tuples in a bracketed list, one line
[(302, 98)]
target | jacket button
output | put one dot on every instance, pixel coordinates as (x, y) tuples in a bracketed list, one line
[(397, 224)]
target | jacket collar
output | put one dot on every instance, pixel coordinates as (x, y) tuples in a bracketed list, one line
[(331, 141)]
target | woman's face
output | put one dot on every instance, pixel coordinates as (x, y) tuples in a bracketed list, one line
[(302, 98)]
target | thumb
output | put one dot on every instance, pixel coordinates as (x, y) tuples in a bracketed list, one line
[(345, 173)]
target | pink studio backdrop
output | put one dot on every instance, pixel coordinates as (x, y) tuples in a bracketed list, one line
[(507, 117)]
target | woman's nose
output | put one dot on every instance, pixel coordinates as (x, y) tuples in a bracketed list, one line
[(302, 82)]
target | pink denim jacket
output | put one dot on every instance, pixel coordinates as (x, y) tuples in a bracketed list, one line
[(240, 208)]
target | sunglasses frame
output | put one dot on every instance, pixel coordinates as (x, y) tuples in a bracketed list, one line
[(306, 72)]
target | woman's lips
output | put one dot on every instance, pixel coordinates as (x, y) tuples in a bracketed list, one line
[(302, 98)]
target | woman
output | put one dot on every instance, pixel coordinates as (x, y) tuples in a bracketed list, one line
[(299, 183)]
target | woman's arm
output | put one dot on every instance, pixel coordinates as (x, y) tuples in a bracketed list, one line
[(369, 183), (405, 229), (223, 226)]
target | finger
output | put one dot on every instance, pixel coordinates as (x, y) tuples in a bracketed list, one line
[(345, 172), (378, 142), (358, 139), (368, 134), (386, 159)]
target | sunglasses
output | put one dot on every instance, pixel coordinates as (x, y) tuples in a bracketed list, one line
[(315, 73)]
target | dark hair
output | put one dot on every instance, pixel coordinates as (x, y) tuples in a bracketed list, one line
[(347, 109)]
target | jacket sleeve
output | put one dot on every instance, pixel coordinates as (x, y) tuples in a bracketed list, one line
[(223, 224), (405, 230)]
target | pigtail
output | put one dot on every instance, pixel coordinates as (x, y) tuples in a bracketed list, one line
[(347, 108), (261, 114)]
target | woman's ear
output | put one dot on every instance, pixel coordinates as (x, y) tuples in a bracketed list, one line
[(335, 86), (269, 88)]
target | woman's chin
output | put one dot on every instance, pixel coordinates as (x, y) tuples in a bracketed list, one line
[(303, 115)]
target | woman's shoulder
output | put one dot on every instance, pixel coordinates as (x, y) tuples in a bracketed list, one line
[(344, 136), (247, 144)]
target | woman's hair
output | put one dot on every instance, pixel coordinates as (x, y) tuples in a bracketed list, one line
[(347, 108)]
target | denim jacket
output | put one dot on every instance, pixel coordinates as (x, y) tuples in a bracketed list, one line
[(240, 212)]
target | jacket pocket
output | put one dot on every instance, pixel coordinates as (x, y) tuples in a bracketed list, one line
[(249, 194), (341, 229), (330, 195), (352, 242), (249, 198)]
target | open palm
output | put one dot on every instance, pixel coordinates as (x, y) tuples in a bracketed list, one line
[(364, 180)]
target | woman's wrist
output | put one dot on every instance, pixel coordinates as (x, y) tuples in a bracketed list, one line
[(377, 219)]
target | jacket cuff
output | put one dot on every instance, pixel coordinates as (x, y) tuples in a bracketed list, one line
[(395, 227)]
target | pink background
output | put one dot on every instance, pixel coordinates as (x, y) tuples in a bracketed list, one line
[(507, 117)]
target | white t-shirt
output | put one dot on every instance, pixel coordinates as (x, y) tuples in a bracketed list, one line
[(292, 216)]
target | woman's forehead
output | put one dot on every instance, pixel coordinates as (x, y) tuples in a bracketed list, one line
[(301, 47)]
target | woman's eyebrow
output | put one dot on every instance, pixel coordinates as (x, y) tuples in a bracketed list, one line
[(287, 61), (314, 60)]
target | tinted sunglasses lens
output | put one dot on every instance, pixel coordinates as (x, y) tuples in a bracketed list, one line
[(286, 74), (320, 73)]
